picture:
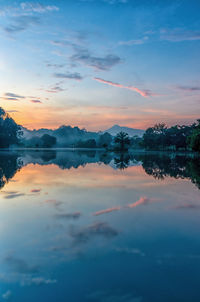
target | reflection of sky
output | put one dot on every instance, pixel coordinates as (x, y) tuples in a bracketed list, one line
[(95, 63), (53, 245)]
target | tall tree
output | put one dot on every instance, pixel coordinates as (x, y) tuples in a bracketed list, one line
[(10, 132), (122, 140)]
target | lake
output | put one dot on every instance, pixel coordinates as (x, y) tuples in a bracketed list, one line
[(94, 226)]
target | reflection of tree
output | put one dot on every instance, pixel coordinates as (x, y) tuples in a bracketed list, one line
[(177, 166), (158, 165), (122, 162), (9, 165)]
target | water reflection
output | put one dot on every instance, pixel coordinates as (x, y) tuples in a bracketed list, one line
[(95, 226), (159, 165)]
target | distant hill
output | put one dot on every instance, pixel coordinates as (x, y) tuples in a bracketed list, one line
[(131, 131)]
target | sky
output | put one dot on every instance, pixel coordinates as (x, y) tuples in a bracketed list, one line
[(96, 63)]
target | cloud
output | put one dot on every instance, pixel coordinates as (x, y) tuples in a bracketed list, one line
[(12, 111), (14, 195), (92, 231), (83, 56), (35, 190), (134, 42), (71, 76), (21, 23), (55, 65), (179, 35), (36, 101), (37, 7), (74, 215), (107, 211), (7, 295), (144, 93), (108, 1), (9, 99), (13, 95), (188, 88)]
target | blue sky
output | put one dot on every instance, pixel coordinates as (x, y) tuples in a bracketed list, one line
[(98, 63)]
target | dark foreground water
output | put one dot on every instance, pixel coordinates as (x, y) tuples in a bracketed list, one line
[(88, 226)]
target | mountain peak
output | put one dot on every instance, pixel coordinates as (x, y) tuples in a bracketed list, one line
[(131, 131)]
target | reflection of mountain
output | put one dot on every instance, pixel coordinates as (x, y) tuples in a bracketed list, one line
[(157, 165)]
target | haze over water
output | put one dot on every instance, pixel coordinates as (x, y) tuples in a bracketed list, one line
[(89, 226)]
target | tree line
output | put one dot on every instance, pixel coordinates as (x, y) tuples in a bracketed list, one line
[(158, 137)]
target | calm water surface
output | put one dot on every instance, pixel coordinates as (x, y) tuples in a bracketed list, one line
[(88, 226)]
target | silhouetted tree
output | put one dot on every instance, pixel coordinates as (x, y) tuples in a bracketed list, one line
[(122, 140), (10, 132), (48, 141)]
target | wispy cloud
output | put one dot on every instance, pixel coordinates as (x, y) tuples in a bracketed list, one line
[(188, 88), (179, 35), (21, 23), (35, 190), (13, 95), (7, 295), (74, 215), (70, 76), (97, 229), (144, 93), (106, 62), (134, 42), (107, 211), (189, 206), (37, 7), (36, 101)]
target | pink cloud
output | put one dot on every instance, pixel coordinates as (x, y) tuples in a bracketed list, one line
[(107, 211), (144, 93), (35, 190), (142, 200)]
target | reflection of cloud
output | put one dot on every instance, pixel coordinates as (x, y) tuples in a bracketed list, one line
[(37, 281), (144, 93), (187, 207), (54, 202), (107, 211), (94, 230), (142, 200), (7, 295), (74, 215), (132, 251), (113, 296), (20, 266)]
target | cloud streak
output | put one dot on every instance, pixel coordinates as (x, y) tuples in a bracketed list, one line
[(144, 93)]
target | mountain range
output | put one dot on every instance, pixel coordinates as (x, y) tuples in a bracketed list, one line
[(130, 131)]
